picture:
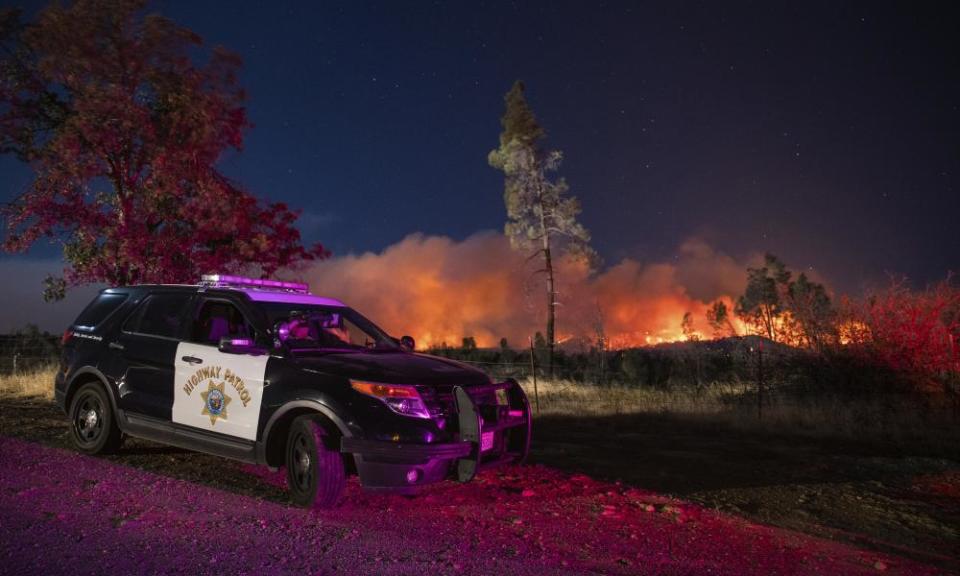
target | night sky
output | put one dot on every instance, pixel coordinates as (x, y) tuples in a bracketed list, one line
[(826, 132)]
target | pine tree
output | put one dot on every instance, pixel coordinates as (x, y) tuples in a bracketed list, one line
[(541, 216)]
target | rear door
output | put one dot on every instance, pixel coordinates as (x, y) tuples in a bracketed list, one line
[(144, 354), (216, 391), (84, 338)]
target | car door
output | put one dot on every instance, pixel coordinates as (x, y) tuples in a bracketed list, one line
[(216, 391), (143, 359)]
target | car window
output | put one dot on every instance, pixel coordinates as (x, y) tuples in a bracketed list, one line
[(158, 315), (216, 319), (328, 330), (97, 311), (311, 327), (354, 335)]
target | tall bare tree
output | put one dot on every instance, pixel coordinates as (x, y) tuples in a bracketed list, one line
[(541, 216)]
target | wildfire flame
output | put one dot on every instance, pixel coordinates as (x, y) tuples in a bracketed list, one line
[(853, 332), (439, 291)]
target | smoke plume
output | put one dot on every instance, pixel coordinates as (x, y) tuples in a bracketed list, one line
[(439, 290)]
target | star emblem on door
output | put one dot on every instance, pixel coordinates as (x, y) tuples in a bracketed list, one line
[(215, 402)]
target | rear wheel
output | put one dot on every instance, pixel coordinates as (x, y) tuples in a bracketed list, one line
[(315, 472), (93, 423)]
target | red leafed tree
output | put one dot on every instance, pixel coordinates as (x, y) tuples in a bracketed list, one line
[(122, 116), (913, 332)]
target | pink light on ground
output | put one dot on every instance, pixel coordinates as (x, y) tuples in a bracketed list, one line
[(62, 510)]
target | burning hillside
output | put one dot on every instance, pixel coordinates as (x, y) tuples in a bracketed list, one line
[(440, 290)]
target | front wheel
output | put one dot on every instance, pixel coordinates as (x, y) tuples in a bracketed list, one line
[(92, 422), (315, 472)]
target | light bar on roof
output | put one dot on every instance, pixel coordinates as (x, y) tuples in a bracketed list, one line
[(223, 280)]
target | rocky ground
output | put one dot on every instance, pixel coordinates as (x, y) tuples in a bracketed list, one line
[(739, 506)]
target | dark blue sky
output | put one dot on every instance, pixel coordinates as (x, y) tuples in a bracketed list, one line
[(824, 132)]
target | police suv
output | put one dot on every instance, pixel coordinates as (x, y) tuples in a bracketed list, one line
[(265, 372)]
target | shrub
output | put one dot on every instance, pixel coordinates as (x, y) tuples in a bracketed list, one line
[(913, 333)]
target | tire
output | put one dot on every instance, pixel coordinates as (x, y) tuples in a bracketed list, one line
[(316, 475), (93, 424)]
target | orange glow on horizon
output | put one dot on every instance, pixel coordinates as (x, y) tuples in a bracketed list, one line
[(439, 291)]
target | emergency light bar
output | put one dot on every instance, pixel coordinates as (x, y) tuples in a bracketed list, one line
[(223, 281)]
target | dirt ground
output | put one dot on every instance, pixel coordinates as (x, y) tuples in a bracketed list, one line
[(891, 505), (879, 497)]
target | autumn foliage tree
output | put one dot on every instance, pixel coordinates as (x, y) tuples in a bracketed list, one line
[(123, 116), (913, 332)]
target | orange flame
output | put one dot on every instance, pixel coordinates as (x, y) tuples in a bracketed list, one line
[(439, 290)]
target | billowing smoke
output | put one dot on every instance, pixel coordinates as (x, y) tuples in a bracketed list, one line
[(439, 290)]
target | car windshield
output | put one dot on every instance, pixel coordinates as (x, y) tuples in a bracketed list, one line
[(313, 327)]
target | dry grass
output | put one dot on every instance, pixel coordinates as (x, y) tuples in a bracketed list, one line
[(565, 397), (38, 383), (894, 419), (925, 421)]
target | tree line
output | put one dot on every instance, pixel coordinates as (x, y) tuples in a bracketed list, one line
[(915, 333)]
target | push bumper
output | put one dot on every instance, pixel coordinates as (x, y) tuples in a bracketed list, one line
[(489, 433)]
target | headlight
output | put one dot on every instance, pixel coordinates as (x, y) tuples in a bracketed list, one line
[(402, 399)]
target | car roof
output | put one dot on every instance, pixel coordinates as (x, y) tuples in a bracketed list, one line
[(255, 294), (261, 295)]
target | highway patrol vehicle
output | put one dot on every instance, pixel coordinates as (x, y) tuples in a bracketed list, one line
[(265, 372)]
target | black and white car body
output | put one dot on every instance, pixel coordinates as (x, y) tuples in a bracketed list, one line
[(267, 373)]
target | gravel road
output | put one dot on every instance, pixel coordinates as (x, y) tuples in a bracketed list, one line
[(65, 513)]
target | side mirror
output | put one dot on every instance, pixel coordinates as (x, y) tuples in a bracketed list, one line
[(233, 345), (408, 343), (281, 330)]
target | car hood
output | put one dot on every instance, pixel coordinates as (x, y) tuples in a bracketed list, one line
[(394, 368)]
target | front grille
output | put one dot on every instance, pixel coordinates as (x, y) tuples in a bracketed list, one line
[(442, 406), (439, 400)]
